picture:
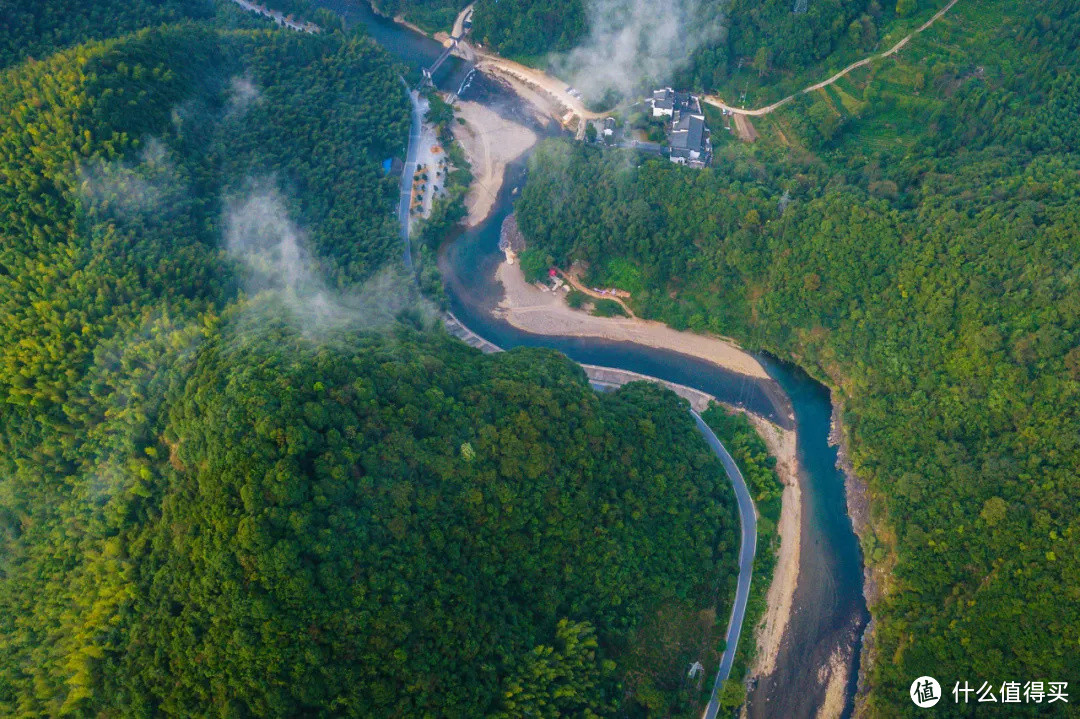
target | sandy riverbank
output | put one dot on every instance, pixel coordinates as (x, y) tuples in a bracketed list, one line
[(543, 91), (490, 143), (398, 19), (539, 79), (547, 108), (834, 676), (770, 631), (529, 308)]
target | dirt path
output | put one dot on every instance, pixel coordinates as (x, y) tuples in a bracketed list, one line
[(745, 128), (573, 282), (717, 102), (459, 22)]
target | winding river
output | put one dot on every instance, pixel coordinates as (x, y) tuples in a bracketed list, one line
[(829, 612)]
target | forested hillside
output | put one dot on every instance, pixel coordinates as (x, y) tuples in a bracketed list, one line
[(240, 472), (911, 235), (521, 28), (431, 15), (110, 264), (37, 28), (763, 46), (411, 528)]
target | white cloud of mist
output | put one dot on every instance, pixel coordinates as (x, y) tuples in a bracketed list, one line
[(128, 188), (636, 42), (243, 94), (274, 252)]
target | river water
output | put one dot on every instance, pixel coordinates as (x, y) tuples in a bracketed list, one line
[(829, 612)]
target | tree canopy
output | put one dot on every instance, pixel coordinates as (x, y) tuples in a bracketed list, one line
[(409, 528), (430, 15), (726, 41), (37, 28)]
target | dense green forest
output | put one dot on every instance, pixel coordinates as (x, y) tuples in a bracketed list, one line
[(763, 46), (431, 15), (231, 484), (910, 235), (760, 45), (37, 28), (524, 28), (410, 528)]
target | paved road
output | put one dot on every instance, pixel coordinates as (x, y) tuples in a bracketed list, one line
[(407, 172), (747, 548), (459, 22), (713, 100)]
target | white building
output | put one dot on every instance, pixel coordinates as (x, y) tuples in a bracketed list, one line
[(663, 102)]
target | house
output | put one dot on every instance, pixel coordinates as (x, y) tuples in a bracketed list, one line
[(688, 141), (609, 126), (685, 102), (393, 166), (668, 103), (663, 102), (688, 137)]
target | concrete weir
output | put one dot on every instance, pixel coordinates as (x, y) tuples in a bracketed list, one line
[(610, 378), (599, 377), (453, 326)]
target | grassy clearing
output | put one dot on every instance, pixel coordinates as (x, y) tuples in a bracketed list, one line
[(607, 308)]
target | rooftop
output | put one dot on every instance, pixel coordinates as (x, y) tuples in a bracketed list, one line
[(688, 133), (663, 99)]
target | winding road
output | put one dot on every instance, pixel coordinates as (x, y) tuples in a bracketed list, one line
[(555, 87), (717, 102), (747, 549)]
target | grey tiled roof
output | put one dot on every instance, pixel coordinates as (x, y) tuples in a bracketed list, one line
[(688, 133)]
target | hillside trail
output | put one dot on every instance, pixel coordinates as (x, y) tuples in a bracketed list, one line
[(717, 102), (576, 284)]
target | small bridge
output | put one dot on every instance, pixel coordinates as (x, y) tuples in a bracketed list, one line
[(461, 28), (430, 71)]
